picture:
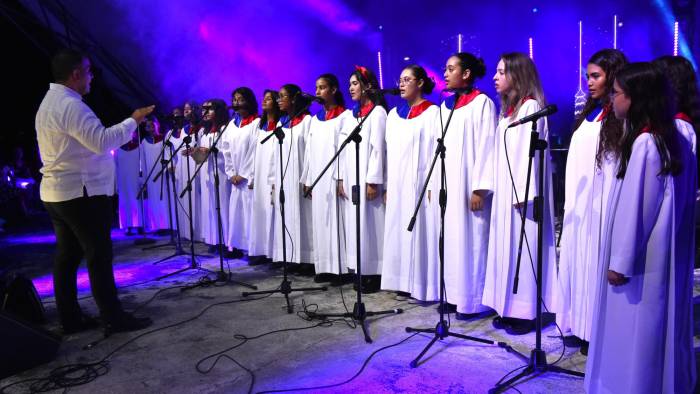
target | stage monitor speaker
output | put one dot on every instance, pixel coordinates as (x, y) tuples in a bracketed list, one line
[(23, 345)]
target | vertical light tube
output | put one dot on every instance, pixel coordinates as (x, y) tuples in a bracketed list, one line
[(531, 52), (459, 42), (381, 75), (675, 38), (615, 32)]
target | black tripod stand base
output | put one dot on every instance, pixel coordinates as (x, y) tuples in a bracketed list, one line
[(360, 315), (537, 365), (442, 331), (284, 288)]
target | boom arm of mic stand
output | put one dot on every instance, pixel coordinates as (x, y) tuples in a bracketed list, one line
[(440, 149), (170, 160), (199, 166), (278, 130), (351, 137)]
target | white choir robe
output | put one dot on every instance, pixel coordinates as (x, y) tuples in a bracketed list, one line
[(504, 230), (155, 209), (688, 132), (642, 338), (328, 232), (262, 213), (372, 170), (586, 191), (299, 245), (410, 258), (184, 169), (470, 144), (210, 220), (128, 185), (238, 146)]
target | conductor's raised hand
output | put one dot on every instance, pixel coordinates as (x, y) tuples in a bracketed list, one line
[(140, 114)]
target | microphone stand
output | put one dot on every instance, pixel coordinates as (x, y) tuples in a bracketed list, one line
[(194, 264), (537, 362), (221, 275), (143, 240), (359, 312), (442, 328), (286, 286), (169, 178)]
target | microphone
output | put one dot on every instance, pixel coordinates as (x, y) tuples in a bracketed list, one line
[(312, 97), (392, 92), (548, 110)]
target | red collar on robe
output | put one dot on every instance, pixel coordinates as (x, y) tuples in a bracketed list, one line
[(463, 99), (646, 129), (332, 114), (416, 110), (512, 109), (294, 121), (363, 110), (271, 124), (683, 116), (604, 113), (248, 120), (131, 145)]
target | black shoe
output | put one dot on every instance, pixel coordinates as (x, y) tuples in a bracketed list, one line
[(370, 283), (258, 260), (475, 315), (447, 308), (584, 348), (126, 322), (572, 341), (307, 269), (499, 323), (233, 254), (519, 326), (293, 268), (86, 322), (326, 277)]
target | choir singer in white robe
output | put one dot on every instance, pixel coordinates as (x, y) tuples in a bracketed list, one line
[(518, 85), (329, 231), (469, 142), (642, 340), (410, 258), (239, 144), (591, 168)]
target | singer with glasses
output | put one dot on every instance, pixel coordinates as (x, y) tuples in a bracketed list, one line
[(642, 338), (329, 230), (238, 145), (518, 85), (591, 166), (214, 121), (410, 264), (295, 123), (368, 103), (470, 143), (262, 212), (76, 188)]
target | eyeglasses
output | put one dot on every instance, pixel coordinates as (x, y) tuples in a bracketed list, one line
[(615, 93), (404, 81)]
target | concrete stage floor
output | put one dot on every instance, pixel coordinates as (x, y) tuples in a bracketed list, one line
[(212, 340)]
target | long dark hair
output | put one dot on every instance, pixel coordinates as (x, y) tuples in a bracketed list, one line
[(368, 80), (420, 74), (611, 61), (475, 65), (332, 82), (275, 108), (298, 101), (249, 97), (684, 83), (220, 114), (651, 107)]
